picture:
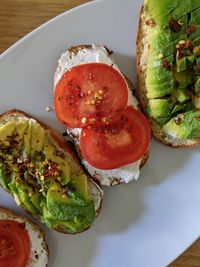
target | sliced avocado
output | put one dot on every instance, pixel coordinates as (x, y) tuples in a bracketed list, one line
[(3, 180), (6, 130), (27, 138), (187, 126), (28, 197), (161, 43), (181, 64), (69, 226), (156, 72), (158, 108), (191, 59), (157, 91), (197, 102), (181, 95), (163, 120), (42, 178), (37, 137), (159, 10), (62, 207), (80, 184), (197, 86), (182, 107)]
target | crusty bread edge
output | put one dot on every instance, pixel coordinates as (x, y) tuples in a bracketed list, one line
[(156, 129), (63, 145), (34, 226)]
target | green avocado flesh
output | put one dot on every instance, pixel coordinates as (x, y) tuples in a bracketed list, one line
[(173, 70), (41, 178)]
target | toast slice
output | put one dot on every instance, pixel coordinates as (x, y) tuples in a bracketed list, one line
[(34, 155), (82, 54), (39, 250), (143, 44)]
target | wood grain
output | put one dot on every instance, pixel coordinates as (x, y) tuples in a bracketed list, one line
[(19, 17)]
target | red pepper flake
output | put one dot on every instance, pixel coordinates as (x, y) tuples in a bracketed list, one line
[(179, 54), (188, 44), (174, 25), (150, 22), (166, 65), (192, 99), (177, 120), (191, 29), (197, 118)]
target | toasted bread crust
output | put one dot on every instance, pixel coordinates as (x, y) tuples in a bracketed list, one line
[(40, 233), (142, 46), (65, 147)]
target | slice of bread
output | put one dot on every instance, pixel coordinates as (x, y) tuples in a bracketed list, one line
[(39, 250), (142, 59), (82, 54), (64, 149)]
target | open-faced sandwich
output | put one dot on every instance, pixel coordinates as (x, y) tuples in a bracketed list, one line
[(39, 169), (22, 242), (94, 100), (168, 65)]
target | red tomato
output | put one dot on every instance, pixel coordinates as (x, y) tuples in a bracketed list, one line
[(116, 145), (90, 94), (14, 244)]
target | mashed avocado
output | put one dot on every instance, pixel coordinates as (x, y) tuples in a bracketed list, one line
[(173, 72), (42, 178)]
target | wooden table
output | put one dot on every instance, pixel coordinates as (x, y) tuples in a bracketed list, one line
[(19, 17)]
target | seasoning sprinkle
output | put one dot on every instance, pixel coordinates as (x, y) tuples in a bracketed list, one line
[(83, 120), (160, 56), (100, 92), (182, 42), (197, 118)]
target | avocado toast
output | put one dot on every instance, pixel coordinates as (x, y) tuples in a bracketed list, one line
[(168, 68), (39, 169)]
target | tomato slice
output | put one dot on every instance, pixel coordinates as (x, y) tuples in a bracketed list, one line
[(90, 94), (14, 244), (116, 145)]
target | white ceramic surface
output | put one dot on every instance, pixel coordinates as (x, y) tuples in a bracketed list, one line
[(146, 223)]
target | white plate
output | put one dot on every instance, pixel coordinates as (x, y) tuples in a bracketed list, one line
[(143, 224)]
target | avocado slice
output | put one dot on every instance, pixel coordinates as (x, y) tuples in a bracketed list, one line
[(81, 186), (37, 137), (197, 102), (158, 108), (181, 95), (61, 207), (29, 198), (181, 64), (3, 180), (187, 126), (27, 139)]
